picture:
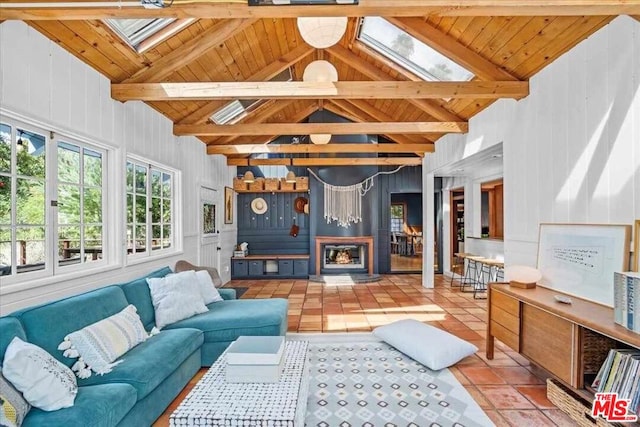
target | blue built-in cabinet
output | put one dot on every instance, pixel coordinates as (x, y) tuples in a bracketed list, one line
[(268, 233)]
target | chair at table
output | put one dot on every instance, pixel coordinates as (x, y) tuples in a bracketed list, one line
[(395, 245)]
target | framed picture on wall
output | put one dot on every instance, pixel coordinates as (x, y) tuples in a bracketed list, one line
[(228, 205), (208, 218), (580, 259)]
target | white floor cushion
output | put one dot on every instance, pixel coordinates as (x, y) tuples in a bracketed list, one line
[(433, 347)]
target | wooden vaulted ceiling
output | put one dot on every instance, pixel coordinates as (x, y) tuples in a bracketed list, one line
[(254, 44)]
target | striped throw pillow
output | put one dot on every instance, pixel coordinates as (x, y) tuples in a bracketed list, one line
[(98, 345)]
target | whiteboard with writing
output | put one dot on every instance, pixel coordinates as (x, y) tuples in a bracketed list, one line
[(580, 259)]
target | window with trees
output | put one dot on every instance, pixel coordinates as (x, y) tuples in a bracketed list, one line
[(397, 218), (149, 208), (408, 52), (51, 202)]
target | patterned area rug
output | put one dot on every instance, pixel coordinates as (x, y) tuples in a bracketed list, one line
[(356, 380)]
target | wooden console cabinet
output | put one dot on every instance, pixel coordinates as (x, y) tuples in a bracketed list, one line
[(557, 337)]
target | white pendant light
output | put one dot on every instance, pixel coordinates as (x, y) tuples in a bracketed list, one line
[(320, 71), (322, 32), (320, 138)]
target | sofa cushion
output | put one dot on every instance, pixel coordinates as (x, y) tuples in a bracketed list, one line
[(137, 293), (149, 363), (47, 325), (95, 406), (227, 293), (10, 327), (227, 320)]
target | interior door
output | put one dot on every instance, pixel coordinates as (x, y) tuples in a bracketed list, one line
[(210, 217)]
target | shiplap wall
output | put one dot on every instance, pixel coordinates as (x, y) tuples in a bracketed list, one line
[(41, 81), (572, 147)]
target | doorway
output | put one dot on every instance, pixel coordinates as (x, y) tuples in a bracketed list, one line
[(405, 228), (457, 223), (210, 212)]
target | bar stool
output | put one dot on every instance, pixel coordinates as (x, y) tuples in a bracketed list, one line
[(458, 264), (472, 273), (491, 270)]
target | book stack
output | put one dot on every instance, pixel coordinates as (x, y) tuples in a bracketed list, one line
[(620, 373), (255, 359), (626, 302)]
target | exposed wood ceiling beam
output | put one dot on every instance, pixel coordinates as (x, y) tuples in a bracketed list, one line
[(430, 107), (313, 90), (210, 9), (313, 128), (266, 73), (451, 48), (190, 51), (378, 116), (330, 161), (314, 148)]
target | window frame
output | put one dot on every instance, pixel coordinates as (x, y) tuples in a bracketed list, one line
[(53, 272), (154, 38), (176, 212), (404, 217), (377, 48)]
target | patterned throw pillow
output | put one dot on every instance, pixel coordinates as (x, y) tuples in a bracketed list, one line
[(13, 407), (43, 381), (98, 345)]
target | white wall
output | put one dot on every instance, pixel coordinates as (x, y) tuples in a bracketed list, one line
[(572, 147), (41, 81)]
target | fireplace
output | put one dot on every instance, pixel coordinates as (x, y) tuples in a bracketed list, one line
[(343, 256), (337, 255)]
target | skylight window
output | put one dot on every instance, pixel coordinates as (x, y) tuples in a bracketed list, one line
[(235, 110), (136, 31), (409, 52)]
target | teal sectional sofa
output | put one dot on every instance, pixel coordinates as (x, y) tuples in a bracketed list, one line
[(138, 390)]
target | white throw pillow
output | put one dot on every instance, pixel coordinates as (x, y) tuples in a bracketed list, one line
[(43, 381), (98, 345), (433, 347), (207, 288), (176, 297)]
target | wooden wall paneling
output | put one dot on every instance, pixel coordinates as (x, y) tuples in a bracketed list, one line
[(257, 42), (281, 36), (493, 27), (551, 32), (569, 38), (526, 35), (270, 28), (513, 26), (477, 26), (460, 26), (105, 40), (67, 39), (260, 33), (291, 30), (250, 52)]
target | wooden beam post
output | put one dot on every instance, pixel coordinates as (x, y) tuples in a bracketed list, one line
[(313, 128), (314, 148), (313, 90)]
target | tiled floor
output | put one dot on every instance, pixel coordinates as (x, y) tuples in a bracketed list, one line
[(509, 389), (406, 263)]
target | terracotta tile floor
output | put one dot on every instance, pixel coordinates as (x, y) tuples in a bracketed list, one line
[(508, 388)]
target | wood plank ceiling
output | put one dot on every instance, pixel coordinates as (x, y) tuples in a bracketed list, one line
[(247, 49)]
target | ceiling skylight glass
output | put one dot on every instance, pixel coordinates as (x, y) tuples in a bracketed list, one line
[(409, 52), (135, 31), (235, 110)]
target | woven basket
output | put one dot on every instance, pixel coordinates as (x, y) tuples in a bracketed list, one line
[(595, 348), (257, 185), (575, 406), (239, 184), (271, 184), (302, 183), (284, 185)]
